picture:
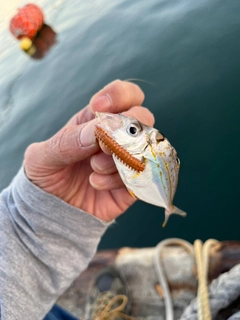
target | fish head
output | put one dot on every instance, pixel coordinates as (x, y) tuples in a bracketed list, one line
[(130, 133)]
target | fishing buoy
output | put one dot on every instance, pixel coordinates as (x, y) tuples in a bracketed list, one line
[(27, 22), (27, 46)]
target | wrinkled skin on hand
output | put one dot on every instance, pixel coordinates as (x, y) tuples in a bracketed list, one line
[(72, 166)]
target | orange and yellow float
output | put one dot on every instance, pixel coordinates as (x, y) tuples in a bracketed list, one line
[(27, 22)]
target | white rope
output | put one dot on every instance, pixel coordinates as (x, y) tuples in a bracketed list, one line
[(222, 292), (160, 272), (202, 263), (202, 293)]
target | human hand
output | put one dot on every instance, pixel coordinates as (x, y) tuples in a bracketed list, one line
[(71, 165)]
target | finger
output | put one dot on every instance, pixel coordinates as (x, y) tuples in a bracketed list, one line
[(80, 117), (103, 164), (68, 146), (142, 114), (115, 97), (106, 182), (104, 148), (118, 96)]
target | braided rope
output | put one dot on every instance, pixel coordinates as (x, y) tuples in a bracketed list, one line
[(210, 300), (202, 293), (202, 262), (222, 292)]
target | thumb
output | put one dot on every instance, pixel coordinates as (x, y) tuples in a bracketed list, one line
[(68, 146)]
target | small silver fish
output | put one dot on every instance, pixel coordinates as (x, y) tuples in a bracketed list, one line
[(147, 163)]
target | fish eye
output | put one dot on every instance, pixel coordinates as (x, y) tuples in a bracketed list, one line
[(133, 129)]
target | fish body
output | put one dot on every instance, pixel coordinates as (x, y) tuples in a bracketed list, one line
[(146, 161)]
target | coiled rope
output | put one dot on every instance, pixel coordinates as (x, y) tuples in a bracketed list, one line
[(161, 275), (111, 313), (222, 291)]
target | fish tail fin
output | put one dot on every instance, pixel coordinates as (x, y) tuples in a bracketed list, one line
[(173, 210)]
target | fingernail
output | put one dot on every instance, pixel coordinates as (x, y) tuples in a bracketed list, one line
[(98, 180), (102, 103), (87, 136), (96, 163)]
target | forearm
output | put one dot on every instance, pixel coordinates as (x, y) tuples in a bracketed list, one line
[(45, 244)]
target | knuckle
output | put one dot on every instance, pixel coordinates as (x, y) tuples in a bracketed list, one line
[(116, 87), (127, 92), (138, 94), (30, 152), (121, 91), (116, 83), (57, 144), (149, 116)]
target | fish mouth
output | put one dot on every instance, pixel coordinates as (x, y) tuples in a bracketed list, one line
[(109, 121)]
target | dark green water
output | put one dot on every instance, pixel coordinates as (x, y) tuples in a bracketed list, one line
[(190, 50)]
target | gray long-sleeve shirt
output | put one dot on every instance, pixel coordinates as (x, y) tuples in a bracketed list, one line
[(44, 245)]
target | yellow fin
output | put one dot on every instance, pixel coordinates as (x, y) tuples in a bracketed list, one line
[(132, 194)]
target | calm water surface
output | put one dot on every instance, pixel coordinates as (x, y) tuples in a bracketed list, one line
[(188, 49)]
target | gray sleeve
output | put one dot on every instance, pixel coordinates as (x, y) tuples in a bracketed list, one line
[(44, 245)]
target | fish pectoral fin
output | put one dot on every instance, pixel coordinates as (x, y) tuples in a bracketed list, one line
[(174, 210)]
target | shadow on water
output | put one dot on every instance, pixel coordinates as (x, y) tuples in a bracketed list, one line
[(42, 43), (190, 50)]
